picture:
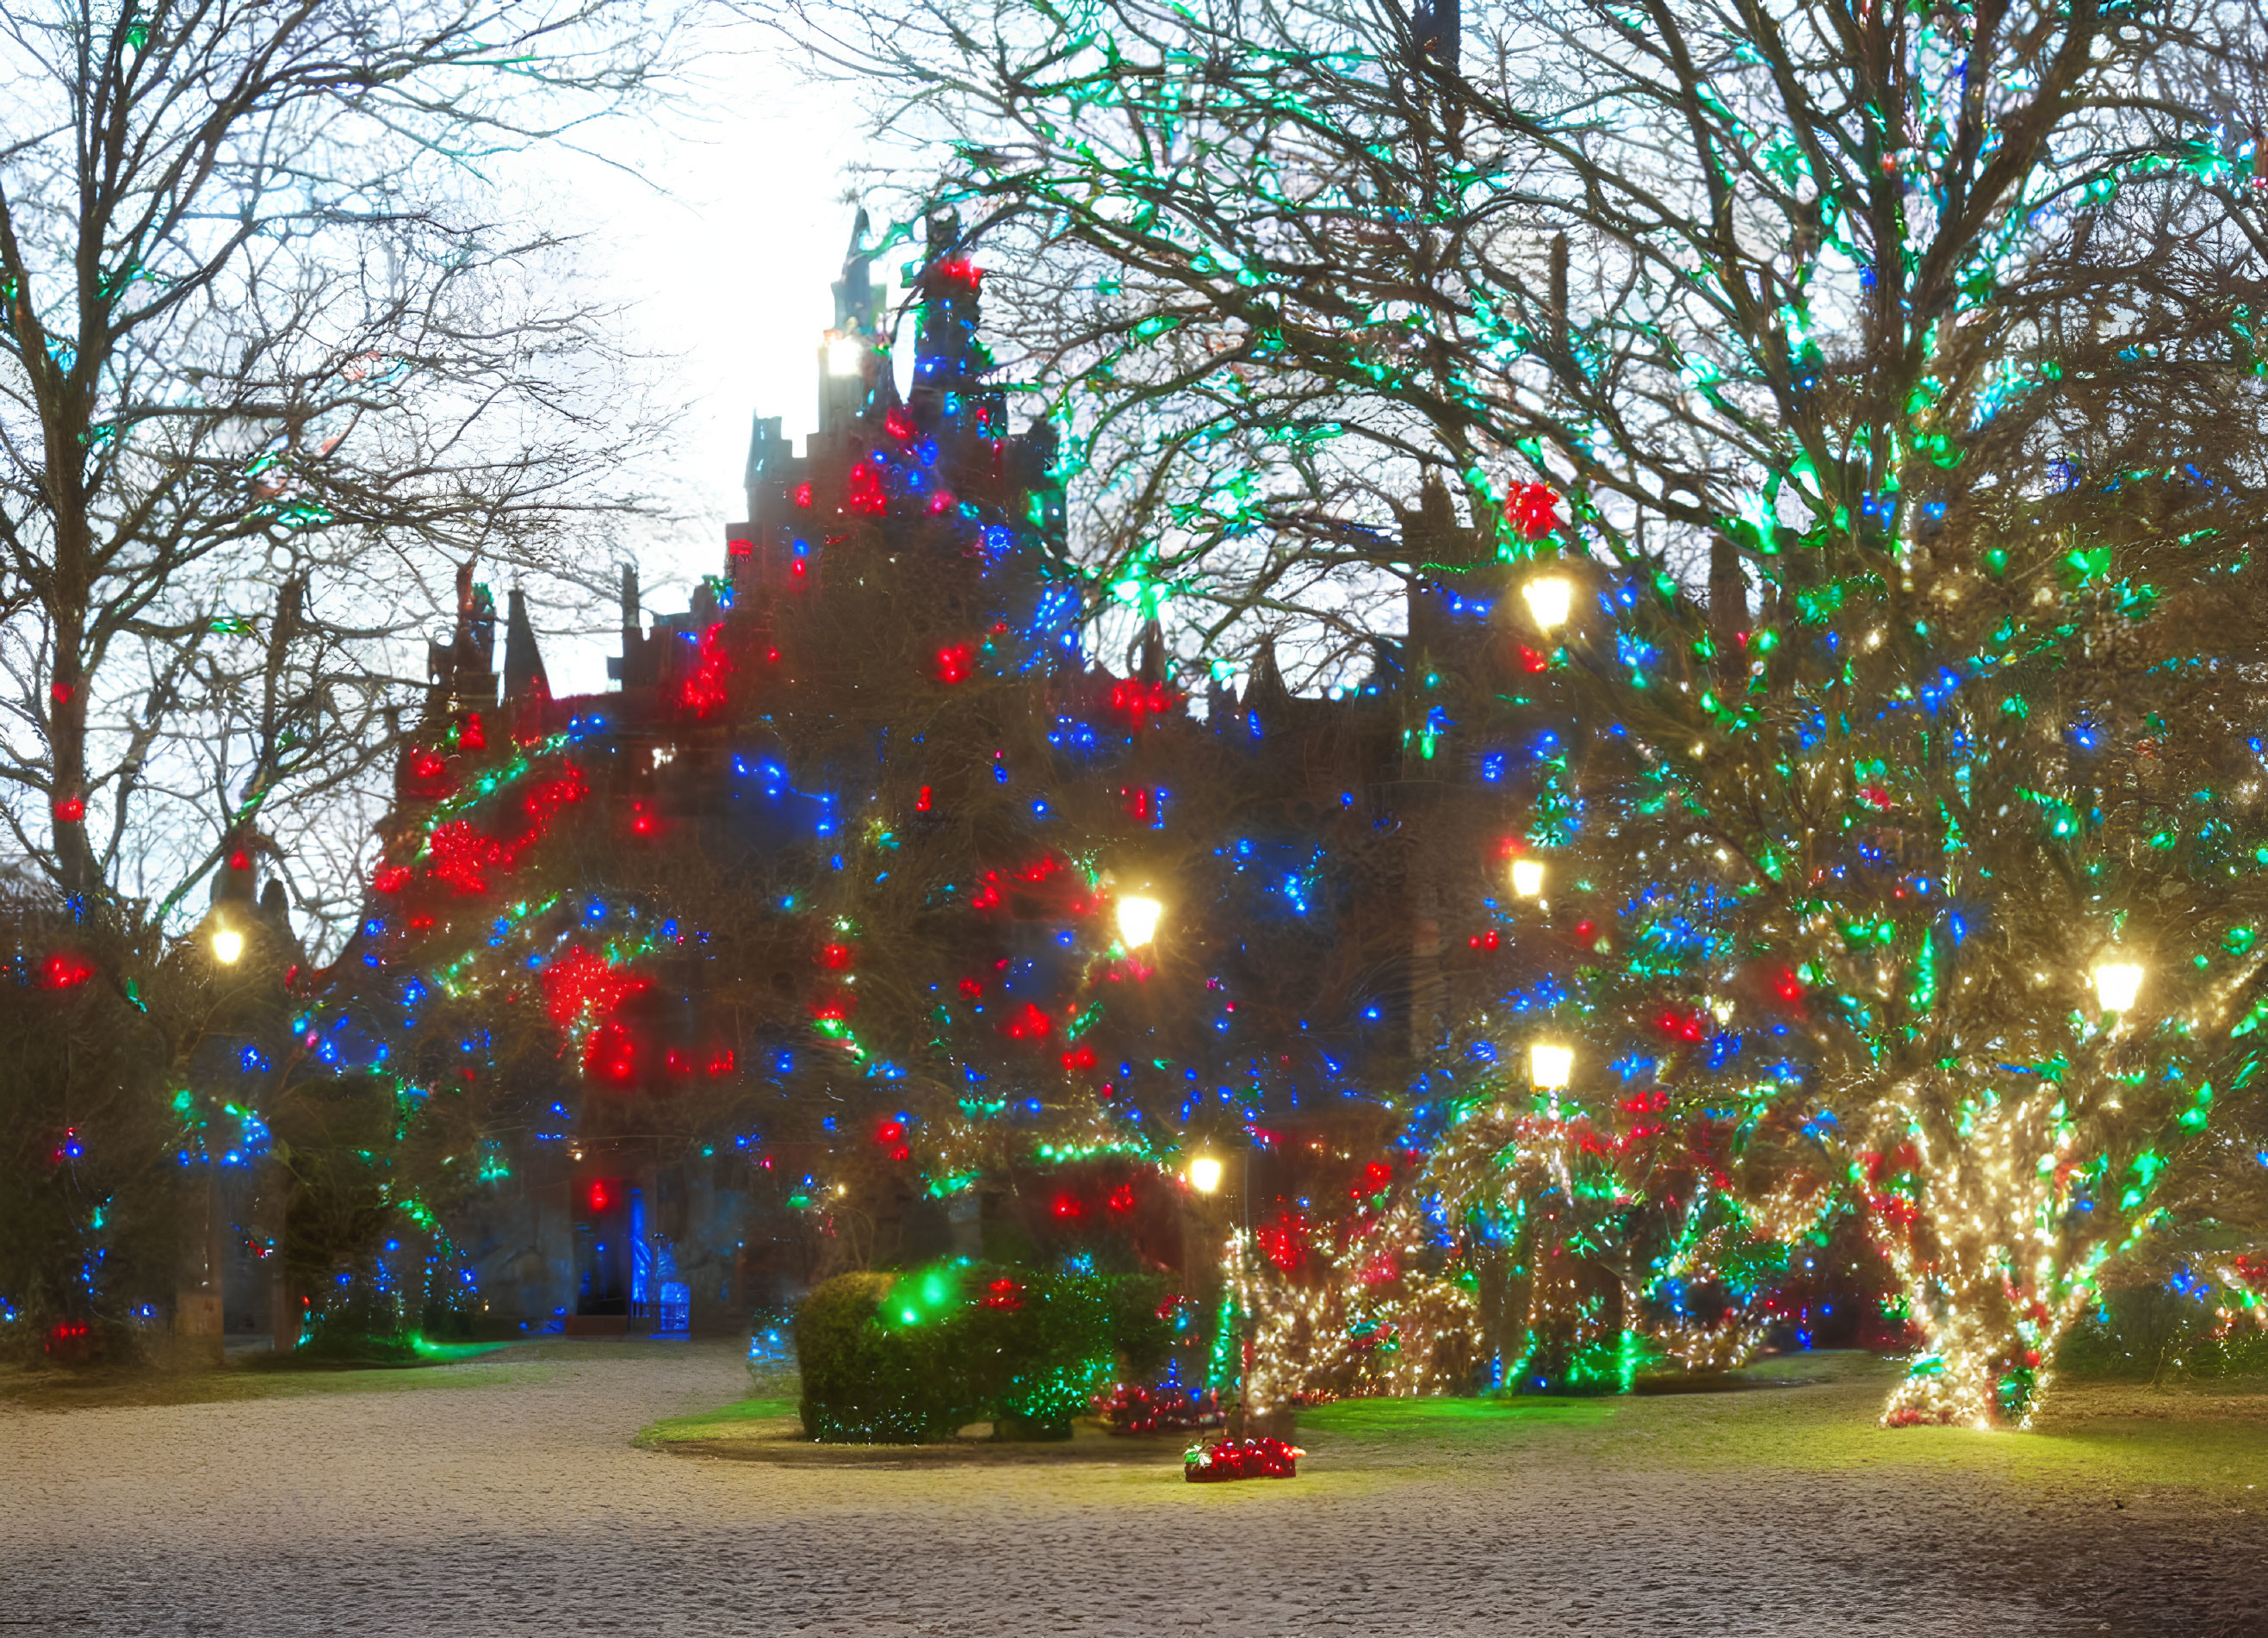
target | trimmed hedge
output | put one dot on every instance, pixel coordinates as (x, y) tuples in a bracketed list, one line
[(910, 1358), (2152, 1333)]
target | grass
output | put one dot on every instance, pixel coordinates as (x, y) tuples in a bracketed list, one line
[(1449, 1419), (260, 1375), (739, 1419), (2210, 1441)]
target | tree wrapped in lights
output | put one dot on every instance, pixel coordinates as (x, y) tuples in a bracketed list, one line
[(1367, 1304), (1613, 1220), (1907, 870), (1897, 370)]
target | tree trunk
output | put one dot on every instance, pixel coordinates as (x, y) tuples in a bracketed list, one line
[(1972, 1222)]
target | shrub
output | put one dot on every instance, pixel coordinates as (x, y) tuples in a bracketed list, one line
[(2153, 1332), (901, 1359)]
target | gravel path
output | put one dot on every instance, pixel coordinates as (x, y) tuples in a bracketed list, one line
[(492, 1498)]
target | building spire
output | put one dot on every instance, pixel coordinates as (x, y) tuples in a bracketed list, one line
[(858, 303), (523, 661)]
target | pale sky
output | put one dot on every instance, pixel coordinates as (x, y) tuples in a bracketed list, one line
[(729, 273)]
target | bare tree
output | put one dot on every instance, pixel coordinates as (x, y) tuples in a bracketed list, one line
[(271, 364)]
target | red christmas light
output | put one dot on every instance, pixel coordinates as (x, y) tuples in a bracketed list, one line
[(1031, 1024), (802, 497), (864, 491), (462, 856), (922, 802), (390, 879), (1284, 1241), (580, 986), (470, 734), (1138, 702), (1004, 1294), (835, 957), (1534, 510), (1069, 1208), (955, 663), (1122, 1198), (71, 810), (1681, 1026), (704, 689), (64, 971), (1078, 1058), (611, 1055)]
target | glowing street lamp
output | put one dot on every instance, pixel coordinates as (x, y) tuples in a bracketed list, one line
[(1137, 920), (1549, 598), (1204, 1174), (1527, 878), (227, 945), (846, 352), (2116, 983), (1550, 1066)]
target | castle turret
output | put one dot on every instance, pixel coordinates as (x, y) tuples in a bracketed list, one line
[(461, 672), (523, 663)]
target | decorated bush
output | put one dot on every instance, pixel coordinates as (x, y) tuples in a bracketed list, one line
[(906, 1358)]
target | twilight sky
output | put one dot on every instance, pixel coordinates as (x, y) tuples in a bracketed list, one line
[(726, 272)]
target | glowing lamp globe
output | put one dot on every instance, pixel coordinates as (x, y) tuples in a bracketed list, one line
[(1204, 1174), (227, 945), (1137, 920), (1527, 877), (1549, 598), (2117, 984), (1550, 1068), (846, 354)]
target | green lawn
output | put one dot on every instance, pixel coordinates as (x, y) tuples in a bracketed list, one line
[(739, 1419), (260, 1375), (1807, 1413)]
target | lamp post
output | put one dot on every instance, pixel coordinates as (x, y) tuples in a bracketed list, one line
[(1139, 915), (1527, 878), (2117, 984), (1549, 597)]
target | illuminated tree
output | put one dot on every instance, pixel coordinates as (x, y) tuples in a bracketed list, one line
[(1896, 367)]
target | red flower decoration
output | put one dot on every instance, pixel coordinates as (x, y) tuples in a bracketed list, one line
[(1534, 509)]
